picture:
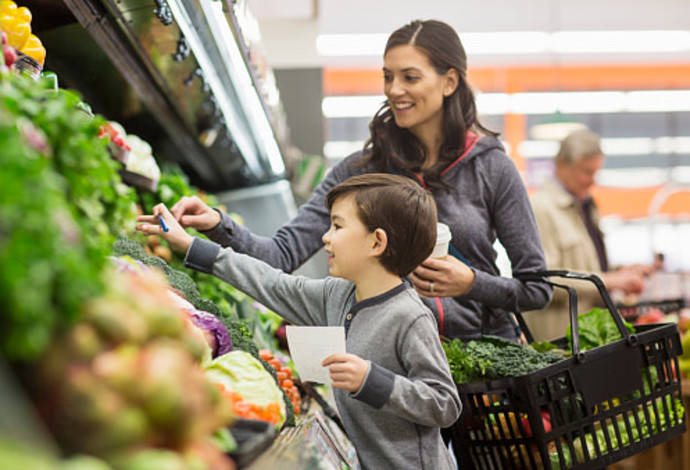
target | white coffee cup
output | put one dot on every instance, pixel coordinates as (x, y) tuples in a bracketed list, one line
[(443, 238)]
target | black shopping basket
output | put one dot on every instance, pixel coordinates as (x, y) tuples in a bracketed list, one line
[(585, 412)]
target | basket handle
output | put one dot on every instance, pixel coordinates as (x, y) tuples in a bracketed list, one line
[(630, 338)]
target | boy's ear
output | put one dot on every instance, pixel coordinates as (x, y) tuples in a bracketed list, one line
[(380, 242)]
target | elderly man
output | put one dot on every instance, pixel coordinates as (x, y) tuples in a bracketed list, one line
[(568, 221)]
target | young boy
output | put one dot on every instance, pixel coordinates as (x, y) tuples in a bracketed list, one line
[(393, 387)]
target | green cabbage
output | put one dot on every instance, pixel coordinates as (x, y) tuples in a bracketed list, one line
[(241, 372)]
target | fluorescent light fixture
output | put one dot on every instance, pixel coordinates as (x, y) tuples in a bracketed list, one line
[(673, 145), (538, 148), (351, 44), (632, 177), (601, 42), (681, 175), (571, 102), (493, 103), (628, 146), (335, 150), (524, 42), (246, 92), (658, 101), (532, 103), (225, 105), (518, 42), (351, 106), (591, 102), (613, 147)]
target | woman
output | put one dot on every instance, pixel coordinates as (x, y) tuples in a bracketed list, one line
[(427, 130)]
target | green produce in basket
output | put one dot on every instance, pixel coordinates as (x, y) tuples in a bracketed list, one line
[(597, 328), (493, 357)]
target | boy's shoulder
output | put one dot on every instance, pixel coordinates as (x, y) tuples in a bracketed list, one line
[(408, 303)]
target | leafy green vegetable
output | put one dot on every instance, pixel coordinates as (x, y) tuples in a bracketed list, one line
[(463, 365), (493, 357), (61, 201), (543, 346), (597, 328), (241, 372)]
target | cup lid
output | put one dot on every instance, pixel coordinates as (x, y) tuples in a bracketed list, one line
[(443, 233)]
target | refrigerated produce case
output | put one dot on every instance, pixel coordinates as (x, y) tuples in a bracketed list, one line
[(178, 73)]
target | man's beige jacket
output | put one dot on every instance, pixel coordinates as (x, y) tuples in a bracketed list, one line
[(567, 245)]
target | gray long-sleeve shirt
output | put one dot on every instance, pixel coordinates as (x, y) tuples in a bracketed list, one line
[(408, 394), (487, 201)]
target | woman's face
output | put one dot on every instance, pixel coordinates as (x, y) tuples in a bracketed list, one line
[(415, 91)]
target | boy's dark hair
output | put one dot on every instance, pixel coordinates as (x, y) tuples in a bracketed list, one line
[(399, 206)]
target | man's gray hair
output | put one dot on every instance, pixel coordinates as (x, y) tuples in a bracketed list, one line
[(578, 145)]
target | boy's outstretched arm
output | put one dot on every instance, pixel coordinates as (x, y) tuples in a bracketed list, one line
[(161, 220)]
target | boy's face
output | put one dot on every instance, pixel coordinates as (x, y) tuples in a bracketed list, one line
[(348, 242)]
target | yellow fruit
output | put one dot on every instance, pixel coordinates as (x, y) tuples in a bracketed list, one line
[(34, 49)]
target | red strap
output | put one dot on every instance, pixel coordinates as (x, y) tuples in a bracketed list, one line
[(439, 305)]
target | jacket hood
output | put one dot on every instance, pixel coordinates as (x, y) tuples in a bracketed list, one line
[(476, 145)]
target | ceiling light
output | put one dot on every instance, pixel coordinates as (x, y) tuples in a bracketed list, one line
[(341, 149), (530, 103), (519, 42), (351, 44), (658, 101), (628, 146), (599, 42), (351, 106), (555, 128), (613, 146), (632, 177), (524, 42)]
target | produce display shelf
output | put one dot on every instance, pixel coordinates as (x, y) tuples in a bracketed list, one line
[(314, 442)]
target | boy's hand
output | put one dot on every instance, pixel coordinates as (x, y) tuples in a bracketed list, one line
[(347, 371), (178, 239)]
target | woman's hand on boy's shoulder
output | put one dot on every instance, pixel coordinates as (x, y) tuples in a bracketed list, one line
[(347, 371)]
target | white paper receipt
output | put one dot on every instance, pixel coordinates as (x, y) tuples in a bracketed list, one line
[(310, 345)]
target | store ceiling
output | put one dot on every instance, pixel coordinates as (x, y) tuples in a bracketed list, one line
[(289, 29)]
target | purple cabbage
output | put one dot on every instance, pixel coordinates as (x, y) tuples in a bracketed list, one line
[(210, 323)]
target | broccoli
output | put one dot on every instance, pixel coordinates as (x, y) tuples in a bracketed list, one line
[(124, 246), (242, 338)]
